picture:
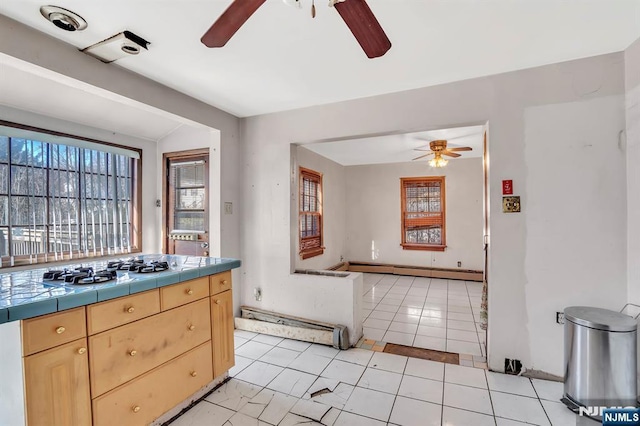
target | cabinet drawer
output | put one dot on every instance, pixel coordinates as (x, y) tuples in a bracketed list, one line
[(123, 310), (183, 293), (146, 398), (220, 282), (117, 356), (51, 330)]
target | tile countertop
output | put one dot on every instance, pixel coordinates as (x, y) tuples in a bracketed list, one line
[(25, 294)]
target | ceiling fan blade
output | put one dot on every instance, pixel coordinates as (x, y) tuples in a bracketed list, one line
[(450, 154), (422, 156), (462, 148), (229, 22), (364, 26), (419, 149)]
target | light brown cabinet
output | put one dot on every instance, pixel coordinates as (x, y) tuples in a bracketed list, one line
[(57, 386), (222, 331)]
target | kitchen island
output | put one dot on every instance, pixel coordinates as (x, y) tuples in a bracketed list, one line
[(130, 342)]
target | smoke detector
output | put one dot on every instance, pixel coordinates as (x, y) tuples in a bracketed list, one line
[(118, 46), (63, 18)]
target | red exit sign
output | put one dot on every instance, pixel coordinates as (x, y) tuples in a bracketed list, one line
[(507, 187)]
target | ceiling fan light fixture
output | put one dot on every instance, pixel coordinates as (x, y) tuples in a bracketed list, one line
[(438, 161), (63, 18)]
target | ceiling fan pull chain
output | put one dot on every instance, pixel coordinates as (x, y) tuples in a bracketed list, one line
[(313, 8)]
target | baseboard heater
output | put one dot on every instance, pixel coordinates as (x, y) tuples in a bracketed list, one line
[(275, 324), (418, 271)]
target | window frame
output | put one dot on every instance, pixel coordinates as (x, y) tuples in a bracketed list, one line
[(316, 249), (443, 211), (135, 233)]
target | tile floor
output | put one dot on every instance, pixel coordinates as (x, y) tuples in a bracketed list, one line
[(286, 382), (427, 313)]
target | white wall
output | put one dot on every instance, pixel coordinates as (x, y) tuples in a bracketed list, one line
[(501, 100), (374, 217), (334, 203), (12, 408), (575, 210)]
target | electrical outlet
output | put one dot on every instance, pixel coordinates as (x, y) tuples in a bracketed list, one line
[(228, 208), (560, 317), (512, 366), (511, 204)]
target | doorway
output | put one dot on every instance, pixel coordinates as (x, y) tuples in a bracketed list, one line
[(186, 191)]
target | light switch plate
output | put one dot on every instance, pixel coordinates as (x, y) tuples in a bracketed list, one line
[(511, 204), (228, 208)]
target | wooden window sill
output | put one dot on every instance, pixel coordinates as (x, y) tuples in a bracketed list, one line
[(312, 253), (424, 247)]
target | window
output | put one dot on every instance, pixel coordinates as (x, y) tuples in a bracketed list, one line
[(310, 213), (423, 213), (60, 201)]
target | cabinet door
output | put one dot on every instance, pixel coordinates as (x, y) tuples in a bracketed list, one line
[(222, 332), (57, 386)]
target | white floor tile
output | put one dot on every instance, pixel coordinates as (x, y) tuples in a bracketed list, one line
[(329, 419), (337, 397), (467, 398), (459, 347), (350, 419), (373, 333), (370, 403), (310, 363), (279, 356), (295, 345), (381, 315), (398, 338), (439, 332), (376, 323), (253, 350), (241, 364), (269, 340), (510, 384), (468, 376), (425, 369), (204, 413), (387, 307), (345, 372), (380, 380), (411, 412), (548, 390), (411, 310), (465, 336), (422, 389), (234, 394), (369, 305), (434, 313), (461, 325), (260, 373), (245, 334), (310, 409), (433, 321), (428, 342), (239, 341), (559, 413), (294, 420), (403, 327), (460, 309), (519, 408), (322, 350), (388, 362), (457, 417), (506, 422), (406, 318), (269, 406), (355, 356), (239, 419), (292, 382)]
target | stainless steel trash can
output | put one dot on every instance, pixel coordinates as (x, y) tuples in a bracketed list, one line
[(600, 358)]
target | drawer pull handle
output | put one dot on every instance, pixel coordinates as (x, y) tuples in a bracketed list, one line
[(192, 327), (189, 292), (218, 302), (60, 330), (81, 351), (135, 409), (130, 309), (194, 374), (224, 282), (133, 353)]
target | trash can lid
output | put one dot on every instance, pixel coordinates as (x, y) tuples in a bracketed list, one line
[(600, 319)]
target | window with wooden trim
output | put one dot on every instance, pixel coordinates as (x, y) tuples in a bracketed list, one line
[(67, 200), (423, 213), (310, 216)]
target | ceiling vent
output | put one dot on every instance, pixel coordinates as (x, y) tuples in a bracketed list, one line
[(63, 18), (118, 46)]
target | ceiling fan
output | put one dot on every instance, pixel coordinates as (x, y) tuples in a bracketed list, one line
[(355, 13), (439, 148)]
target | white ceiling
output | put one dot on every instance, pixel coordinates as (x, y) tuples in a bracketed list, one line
[(282, 59), (41, 91), (398, 148)]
